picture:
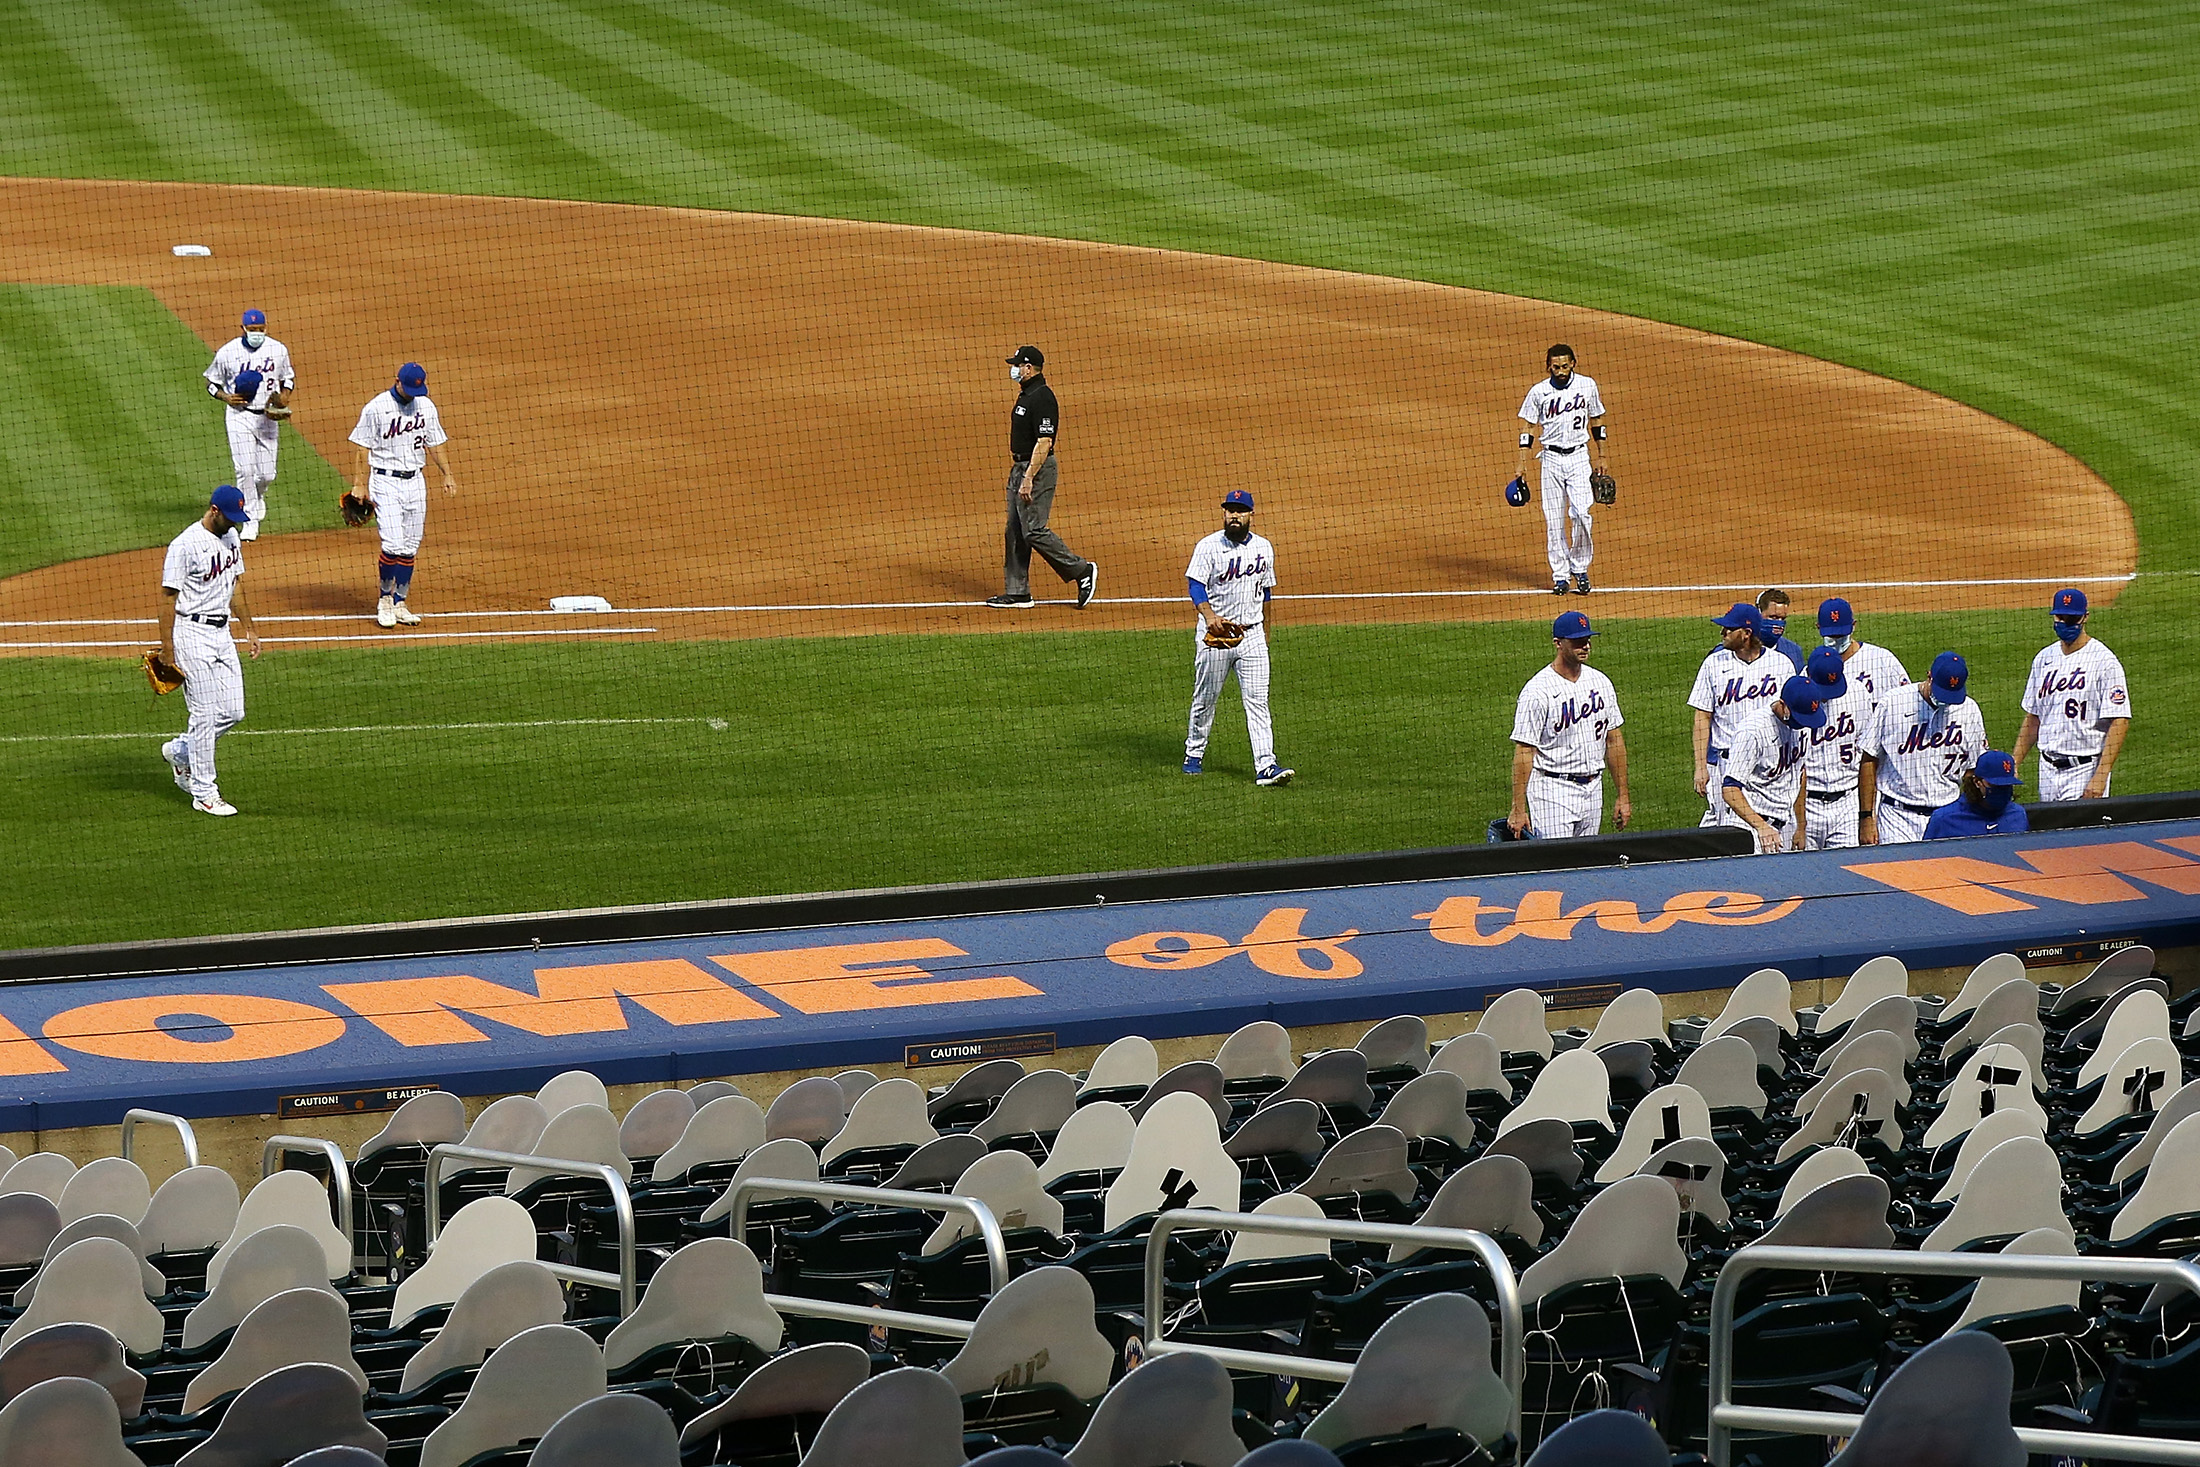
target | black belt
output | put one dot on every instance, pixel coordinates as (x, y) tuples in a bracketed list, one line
[(1554, 448), (1572, 778), (1827, 794), (400, 473), (1906, 805), (210, 621), (2063, 761), (256, 412)]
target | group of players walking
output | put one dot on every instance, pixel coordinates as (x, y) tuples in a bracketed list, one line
[(1827, 750)]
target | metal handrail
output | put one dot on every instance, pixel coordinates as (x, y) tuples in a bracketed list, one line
[(989, 1228), (1725, 1416), (339, 1170), (622, 1206), (1512, 1338), (184, 1133)]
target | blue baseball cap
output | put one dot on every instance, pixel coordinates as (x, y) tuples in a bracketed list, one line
[(1806, 702), (1951, 675), (413, 379), (1571, 625), (255, 318), (247, 385), (229, 499), (1237, 499), (2070, 601), (1827, 672), (1741, 614), (1995, 767), (1836, 618)]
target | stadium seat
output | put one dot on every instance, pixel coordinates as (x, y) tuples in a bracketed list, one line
[(272, 1261), (1335, 1080), (1036, 1107), (1764, 994), (974, 1094), (1121, 1072), (1176, 1160), (113, 1185), (525, 1386), (1518, 1019), (1856, 1110), (287, 1413), (2014, 1002), (777, 1408), (502, 1302), (1256, 1058), (1475, 1058), (1574, 1087), (709, 1293), (63, 1423), (2143, 1071), (293, 1199), (1662, 1117), (193, 1212), (84, 1351), (573, 1087), (609, 1431), (45, 1172), (722, 1130), (99, 1225), (1874, 979), (1277, 1145), (710, 1090), (1983, 979), (1894, 1014), (655, 1124), (2015, 1188), (1492, 1194), (1034, 1365), (1426, 1372), (1947, 1406), (29, 1222), (1174, 1408), (96, 1281), (290, 1328), (1637, 1014), (934, 1166), (887, 1124), (482, 1235), (1365, 1176), (583, 1132), (908, 1417), (1202, 1078), (811, 1111)]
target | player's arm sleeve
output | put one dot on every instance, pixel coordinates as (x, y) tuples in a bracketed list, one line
[(1617, 718), (173, 571), (1196, 568), (2116, 700), (363, 433), (1527, 408), (1528, 719), (1198, 590), (1596, 402), (285, 376), (436, 436), (2032, 702), (1868, 739), (1701, 697)]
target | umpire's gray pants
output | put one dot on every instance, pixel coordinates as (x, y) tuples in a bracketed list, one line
[(1027, 531)]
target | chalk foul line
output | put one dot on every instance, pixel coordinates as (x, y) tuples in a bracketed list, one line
[(716, 725)]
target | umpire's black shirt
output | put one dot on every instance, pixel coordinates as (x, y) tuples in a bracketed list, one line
[(1034, 418)]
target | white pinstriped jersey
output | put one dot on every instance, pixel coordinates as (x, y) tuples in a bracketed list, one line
[(1767, 762), (1831, 754), (271, 361), (398, 435), (1565, 722), (202, 569), (1728, 689), (2075, 696), (1234, 575), (1923, 749), (1562, 414)]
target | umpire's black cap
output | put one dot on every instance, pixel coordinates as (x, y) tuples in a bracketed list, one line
[(1028, 356)]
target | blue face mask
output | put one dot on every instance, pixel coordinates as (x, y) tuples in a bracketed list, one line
[(1774, 630), (2069, 631)]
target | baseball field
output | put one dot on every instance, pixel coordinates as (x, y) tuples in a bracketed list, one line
[(1885, 302)]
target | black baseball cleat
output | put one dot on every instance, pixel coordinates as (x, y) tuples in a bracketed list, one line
[(1558, 588), (1087, 584), (1006, 602), (1581, 585)]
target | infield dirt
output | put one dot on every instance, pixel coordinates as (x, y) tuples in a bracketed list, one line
[(675, 408)]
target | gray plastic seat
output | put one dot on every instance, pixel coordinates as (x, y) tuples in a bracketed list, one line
[(287, 1413), (1043, 1316), (909, 1417), (65, 1422), (725, 1128), (1519, 1020), (196, 1208), (890, 1113), (574, 1087), (1947, 1406), (96, 1281), (2108, 975), (1129, 1061), (710, 1090), (1764, 994), (805, 1382), (1260, 1050), (711, 1289), (525, 1386), (1427, 1366), (1696, 1169), (1574, 1087), (1662, 1117), (483, 1234), (1038, 1104), (938, 1163), (511, 1124), (811, 1111), (785, 1159), (1202, 1078), (2002, 1125), (1628, 1229), (45, 1172), (1173, 1408), (1605, 1438), (1846, 1212), (1007, 1183), (1292, 1128), (60, 1351), (988, 1081), (1433, 1105), (1475, 1058), (294, 1199), (100, 1225), (1492, 1194), (610, 1431), (1398, 1042), (113, 1185), (1335, 1077), (1874, 979), (1546, 1146), (1177, 1160), (2015, 1188), (1371, 1159), (29, 1222), (274, 1260), (1895, 1014), (581, 1132), (432, 1118), (656, 1123), (293, 1327), (2186, 1102), (1724, 1073), (1097, 1138), (1637, 1014), (508, 1300)]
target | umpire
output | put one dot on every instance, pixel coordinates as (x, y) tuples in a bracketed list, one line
[(1032, 427)]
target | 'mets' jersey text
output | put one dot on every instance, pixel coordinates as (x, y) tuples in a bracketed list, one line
[(1562, 414), (1728, 688), (1234, 575), (202, 569), (1566, 722), (398, 435), (1923, 750), (1766, 761)]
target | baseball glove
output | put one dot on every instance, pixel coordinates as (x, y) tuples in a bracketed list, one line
[(1222, 633), (277, 411), (356, 511), (164, 675), (1516, 491), (1603, 488)]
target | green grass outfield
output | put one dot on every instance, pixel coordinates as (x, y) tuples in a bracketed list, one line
[(1995, 202), (803, 765)]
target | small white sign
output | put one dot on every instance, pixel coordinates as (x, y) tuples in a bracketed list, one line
[(192, 249)]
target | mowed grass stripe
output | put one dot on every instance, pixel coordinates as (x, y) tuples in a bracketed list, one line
[(148, 83), (57, 111)]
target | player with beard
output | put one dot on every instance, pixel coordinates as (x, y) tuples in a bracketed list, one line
[(1231, 578)]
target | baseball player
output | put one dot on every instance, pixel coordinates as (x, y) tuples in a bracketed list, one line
[(1564, 408), (1740, 674), (1565, 733), (1914, 752), (398, 431), (1988, 805), (2077, 708), (1879, 670), (251, 375), (1231, 577), (1829, 754), (200, 580), (1772, 609), (1762, 783)]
